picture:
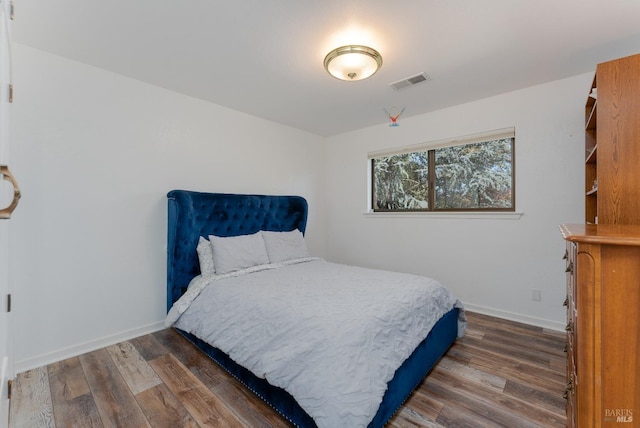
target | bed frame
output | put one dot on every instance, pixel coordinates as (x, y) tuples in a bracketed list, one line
[(194, 214)]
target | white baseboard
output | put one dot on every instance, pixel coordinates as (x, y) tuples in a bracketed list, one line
[(82, 348), (512, 316), (72, 351)]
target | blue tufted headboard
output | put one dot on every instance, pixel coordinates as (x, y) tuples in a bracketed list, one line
[(195, 214)]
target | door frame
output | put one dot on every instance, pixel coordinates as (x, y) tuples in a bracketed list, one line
[(6, 331)]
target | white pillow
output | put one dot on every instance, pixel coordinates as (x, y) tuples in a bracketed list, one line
[(205, 256), (238, 252), (283, 246)]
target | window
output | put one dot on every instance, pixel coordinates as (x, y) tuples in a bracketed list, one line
[(474, 173)]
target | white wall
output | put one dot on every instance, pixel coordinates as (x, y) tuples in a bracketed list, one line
[(96, 154), (491, 264)]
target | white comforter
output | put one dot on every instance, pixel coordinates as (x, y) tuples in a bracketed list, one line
[(331, 335)]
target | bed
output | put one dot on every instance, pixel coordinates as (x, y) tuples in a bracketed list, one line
[(193, 216)]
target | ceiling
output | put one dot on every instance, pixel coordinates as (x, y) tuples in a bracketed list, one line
[(265, 58)]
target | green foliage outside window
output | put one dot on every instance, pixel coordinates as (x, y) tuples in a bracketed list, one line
[(401, 182), (475, 176)]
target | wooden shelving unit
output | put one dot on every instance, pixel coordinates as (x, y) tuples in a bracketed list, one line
[(612, 144), (591, 162), (603, 257)]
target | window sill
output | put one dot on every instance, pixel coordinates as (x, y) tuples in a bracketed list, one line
[(498, 215)]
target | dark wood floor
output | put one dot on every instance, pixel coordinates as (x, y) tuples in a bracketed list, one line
[(501, 374)]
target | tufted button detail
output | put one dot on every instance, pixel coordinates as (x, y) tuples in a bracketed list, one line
[(195, 214)]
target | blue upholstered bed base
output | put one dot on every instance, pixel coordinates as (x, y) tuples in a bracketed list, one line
[(406, 379), (195, 214)]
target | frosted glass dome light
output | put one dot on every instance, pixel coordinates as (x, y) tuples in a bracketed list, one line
[(353, 62)]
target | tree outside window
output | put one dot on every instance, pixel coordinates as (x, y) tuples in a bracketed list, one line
[(476, 176)]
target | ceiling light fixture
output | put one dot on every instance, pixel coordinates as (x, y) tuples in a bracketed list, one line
[(353, 62)]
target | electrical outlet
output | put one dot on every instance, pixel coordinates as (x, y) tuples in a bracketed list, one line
[(536, 295)]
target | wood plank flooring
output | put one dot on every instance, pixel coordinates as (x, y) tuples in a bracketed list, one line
[(501, 374)]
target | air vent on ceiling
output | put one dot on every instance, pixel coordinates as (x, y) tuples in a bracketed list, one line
[(410, 81)]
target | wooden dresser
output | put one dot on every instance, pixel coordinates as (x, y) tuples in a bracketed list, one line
[(603, 346)]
